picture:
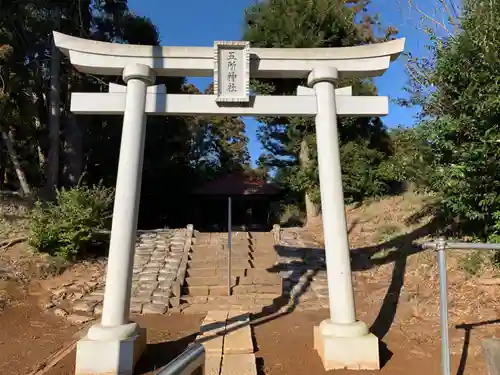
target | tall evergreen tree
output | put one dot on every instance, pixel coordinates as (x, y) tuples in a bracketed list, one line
[(89, 145), (289, 144)]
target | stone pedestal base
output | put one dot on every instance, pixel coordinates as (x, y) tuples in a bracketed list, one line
[(111, 356), (352, 353)]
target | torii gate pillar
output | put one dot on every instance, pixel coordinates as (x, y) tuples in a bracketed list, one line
[(115, 345), (341, 341)]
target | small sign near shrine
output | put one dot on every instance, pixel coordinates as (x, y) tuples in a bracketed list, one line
[(232, 71)]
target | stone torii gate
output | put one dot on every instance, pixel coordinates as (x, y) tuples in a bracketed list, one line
[(114, 345)]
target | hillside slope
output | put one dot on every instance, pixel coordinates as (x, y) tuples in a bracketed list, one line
[(397, 283)]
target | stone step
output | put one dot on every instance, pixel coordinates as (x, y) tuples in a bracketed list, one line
[(253, 290), (235, 271), (238, 334), (235, 299), (208, 281), (265, 252), (260, 272), (233, 364), (243, 263), (263, 262), (253, 308), (194, 291), (235, 248), (205, 307), (214, 272), (270, 279), (200, 256), (204, 290), (258, 288)]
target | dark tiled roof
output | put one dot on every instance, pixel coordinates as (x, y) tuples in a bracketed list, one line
[(238, 184)]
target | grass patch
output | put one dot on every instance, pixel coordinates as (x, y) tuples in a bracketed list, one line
[(472, 262), (386, 232), (383, 253)]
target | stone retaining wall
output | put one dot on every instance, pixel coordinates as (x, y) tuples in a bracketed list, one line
[(160, 264), (303, 268)]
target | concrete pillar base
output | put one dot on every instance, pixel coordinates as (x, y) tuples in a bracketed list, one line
[(108, 355), (344, 349)]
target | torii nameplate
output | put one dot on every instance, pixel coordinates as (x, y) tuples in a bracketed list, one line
[(232, 71)]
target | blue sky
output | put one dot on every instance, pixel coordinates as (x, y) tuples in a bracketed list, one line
[(199, 23)]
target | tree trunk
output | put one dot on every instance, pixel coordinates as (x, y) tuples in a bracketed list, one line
[(38, 126), (2, 169), (312, 209), (73, 150), (41, 156), (9, 143), (54, 114)]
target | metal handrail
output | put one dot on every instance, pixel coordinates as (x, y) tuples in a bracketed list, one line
[(462, 245), (190, 360), (441, 245)]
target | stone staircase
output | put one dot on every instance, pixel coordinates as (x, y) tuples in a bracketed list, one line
[(254, 285), (303, 268), (158, 265)]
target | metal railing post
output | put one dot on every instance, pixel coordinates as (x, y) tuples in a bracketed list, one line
[(441, 246), (190, 361), (443, 306)]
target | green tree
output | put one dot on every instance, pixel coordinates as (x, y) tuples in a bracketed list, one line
[(459, 119), (89, 144), (221, 144), (289, 144)]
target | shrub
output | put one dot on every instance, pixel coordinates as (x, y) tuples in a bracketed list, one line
[(291, 215), (64, 227), (360, 174), (460, 119)]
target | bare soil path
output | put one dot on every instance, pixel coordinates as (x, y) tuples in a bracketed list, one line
[(168, 336), (29, 336), (285, 347)]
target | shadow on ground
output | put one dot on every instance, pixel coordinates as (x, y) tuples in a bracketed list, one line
[(396, 250), (160, 354), (468, 327), (310, 260), (305, 263)]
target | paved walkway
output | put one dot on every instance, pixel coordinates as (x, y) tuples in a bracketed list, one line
[(227, 338)]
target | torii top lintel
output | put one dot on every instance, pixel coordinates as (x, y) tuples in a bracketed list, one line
[(102, 58)]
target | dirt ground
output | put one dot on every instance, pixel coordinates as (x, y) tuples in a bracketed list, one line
[(168, 336), (285, 347), (29, 336), (396, 287)]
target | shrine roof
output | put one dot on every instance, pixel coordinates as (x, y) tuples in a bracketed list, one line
[(237, 184)]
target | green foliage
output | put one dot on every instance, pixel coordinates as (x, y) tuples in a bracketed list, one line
[(472, 262), (461, 122), (291, 215), (361, 177), (64, 227), (411, 159), (186, 150), (290, 144)]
